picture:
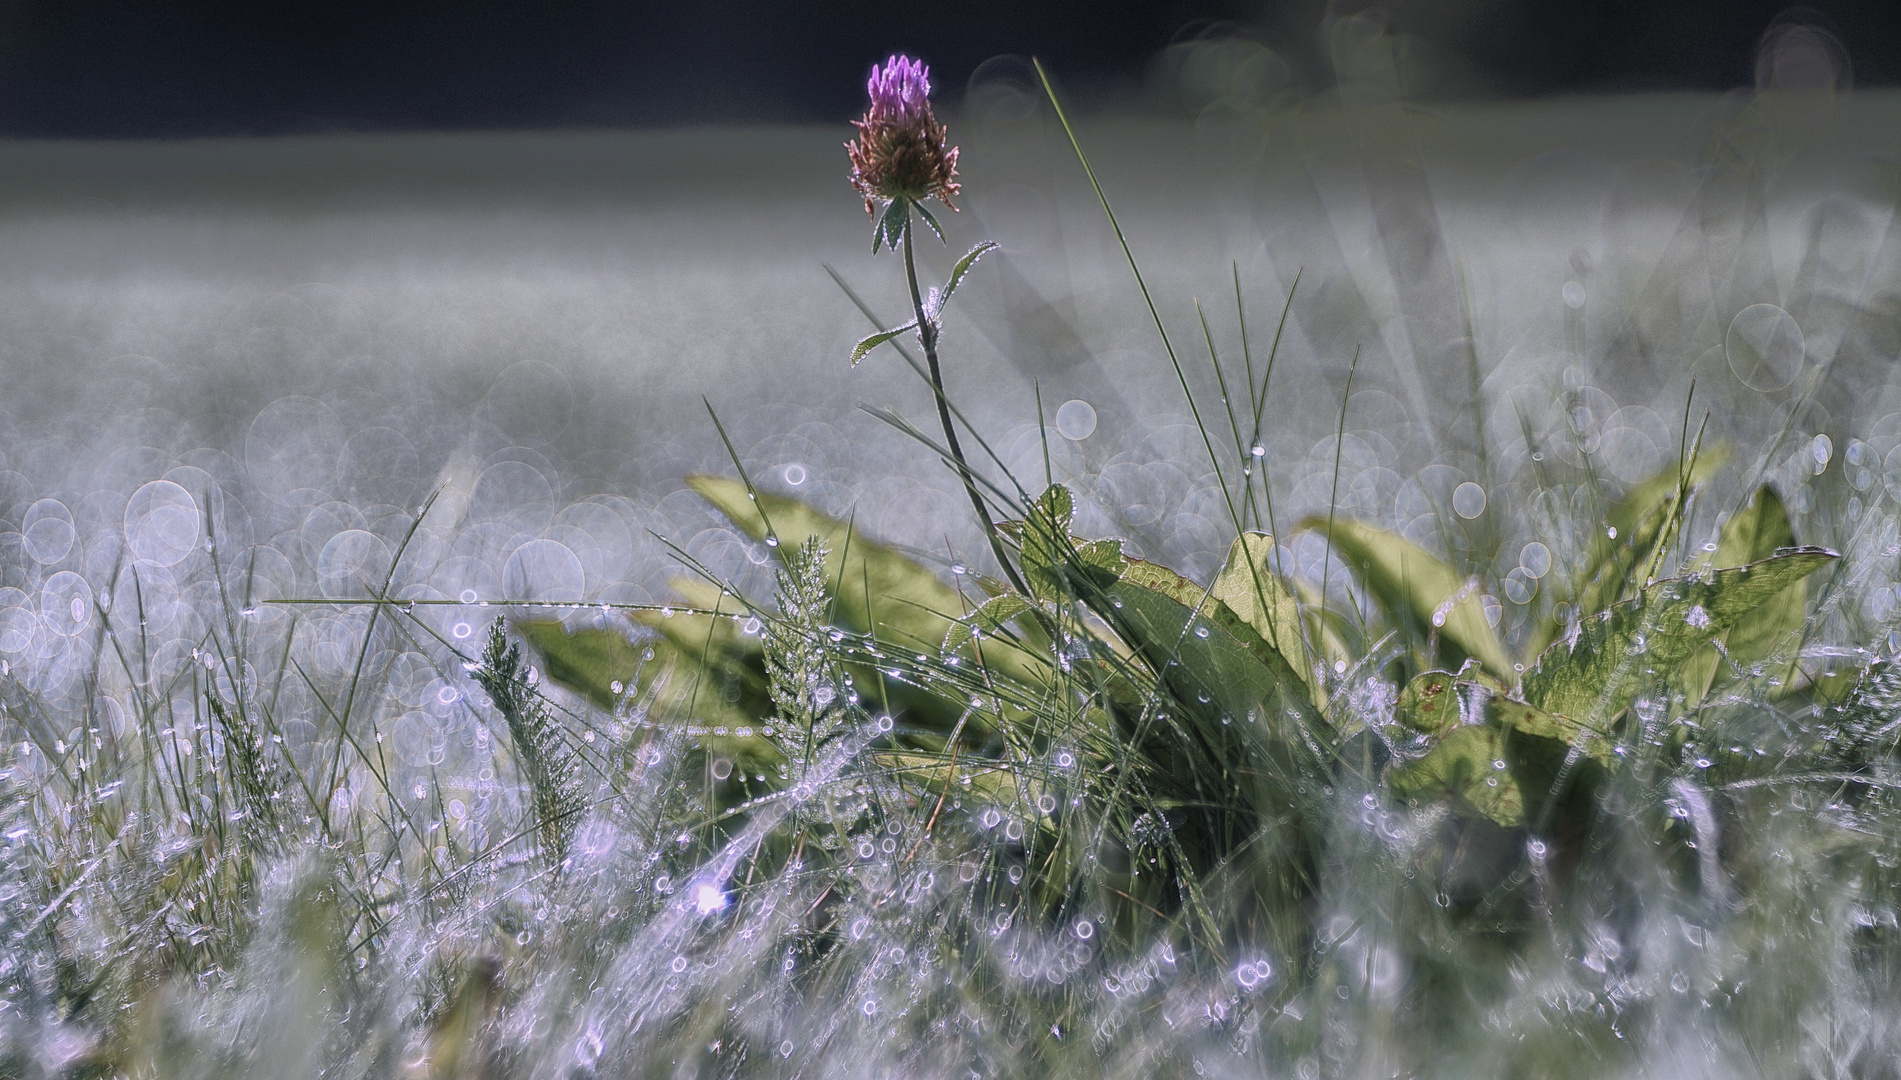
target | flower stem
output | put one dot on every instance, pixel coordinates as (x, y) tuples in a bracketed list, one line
[(927, 335)]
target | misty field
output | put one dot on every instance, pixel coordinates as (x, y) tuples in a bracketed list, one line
[(463, 614)]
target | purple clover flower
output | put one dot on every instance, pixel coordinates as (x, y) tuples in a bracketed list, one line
[(902, 153), (900, 91)]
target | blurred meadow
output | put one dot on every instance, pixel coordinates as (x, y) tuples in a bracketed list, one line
[(290, 423)]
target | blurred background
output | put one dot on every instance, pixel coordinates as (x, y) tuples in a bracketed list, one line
[(122, 68), (281, 272)]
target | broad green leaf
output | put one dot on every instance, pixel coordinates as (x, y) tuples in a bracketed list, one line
[(1045, 542), (880, 590), (1468, 763), (963, 267), (1203, 603), (1095, 564), (1430, 703), (672, 685), (866, 345), (906, 599), (1593, 674), (718, 662), (587, 661), (693, 625), (992, 615), (1832, 684), (1250, 589), (1435, 702), (1329, 631), (1418, 591), (1058, 566), (1638, 519), (1534, 721), (1203, 651), (1776, 627), (1756, 532)]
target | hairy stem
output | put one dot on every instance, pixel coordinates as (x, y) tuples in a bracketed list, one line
[(927, 335)]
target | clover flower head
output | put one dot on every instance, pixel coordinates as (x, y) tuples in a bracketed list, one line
[(901, 90), (902, 151)]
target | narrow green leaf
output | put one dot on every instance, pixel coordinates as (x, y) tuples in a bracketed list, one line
[(1592, 675), (890, 229), (1465, 764), (866, 345), (930, 220), (988, 782), (963, 267), (1418, 592)]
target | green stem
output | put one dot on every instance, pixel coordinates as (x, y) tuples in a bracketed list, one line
[(927, 336)]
